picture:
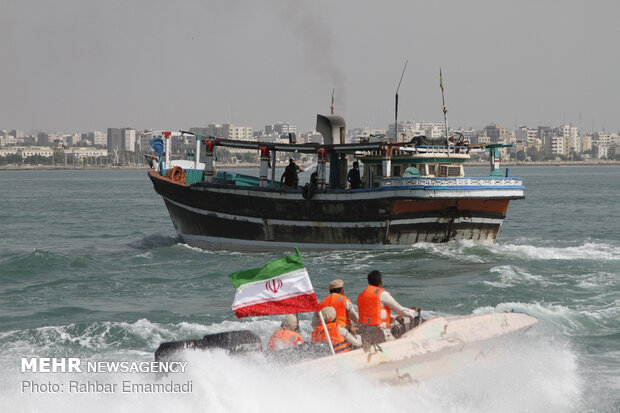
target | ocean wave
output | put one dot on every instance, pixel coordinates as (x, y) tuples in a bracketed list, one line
[(155, 241), (586, 251), (509, 276), (91, 338), (41, 261), (469, 251), (27, 261)]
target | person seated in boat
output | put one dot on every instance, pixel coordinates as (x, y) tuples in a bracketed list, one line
[(287, 336), (342, 340), (346, 314), (375, 306), (354, 176), (289, 176)]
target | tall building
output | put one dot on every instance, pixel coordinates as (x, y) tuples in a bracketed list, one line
[(128, 139), (586, 143), (498, 133), (144, 140), (407, 129), (525, 135), (114, 139), (17, 134), (433, 130), (98, 138), (43, 139), (556, 145), (225, 131), (545, 133), (280, 128), (572, 140)]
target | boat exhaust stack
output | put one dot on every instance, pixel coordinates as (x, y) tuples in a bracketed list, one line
[(332, 127)]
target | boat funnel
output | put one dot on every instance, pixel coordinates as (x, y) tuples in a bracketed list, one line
[(332, 127)]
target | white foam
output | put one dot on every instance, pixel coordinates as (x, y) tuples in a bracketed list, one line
[(586, 251), (509, 276), (522, 375)]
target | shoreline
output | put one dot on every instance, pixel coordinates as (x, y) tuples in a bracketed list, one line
[(549, 163), (241, 166)]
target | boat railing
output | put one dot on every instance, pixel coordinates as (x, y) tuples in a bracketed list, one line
[(435, 149), (455, 181), (423, 149)]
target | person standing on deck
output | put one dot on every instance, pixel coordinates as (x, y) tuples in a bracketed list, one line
[(354, 176), (289, 176)]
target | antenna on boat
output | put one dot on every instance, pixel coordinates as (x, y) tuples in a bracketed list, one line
[(396, 106), (445, 110), (332, 106)]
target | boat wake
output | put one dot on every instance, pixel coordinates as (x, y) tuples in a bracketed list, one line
[(543, 369), (468, 251)]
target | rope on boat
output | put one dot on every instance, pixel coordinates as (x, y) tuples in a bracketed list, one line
[(177, 174)]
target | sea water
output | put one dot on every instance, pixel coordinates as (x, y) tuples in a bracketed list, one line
[(91, 269)]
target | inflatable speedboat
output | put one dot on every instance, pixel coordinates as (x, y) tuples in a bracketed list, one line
[(436, 346)]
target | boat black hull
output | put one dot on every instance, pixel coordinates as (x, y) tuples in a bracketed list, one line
[(224, 216)]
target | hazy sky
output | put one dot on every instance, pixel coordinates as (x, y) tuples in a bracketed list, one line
[(78, 65)]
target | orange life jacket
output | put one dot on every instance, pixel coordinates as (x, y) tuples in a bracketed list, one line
[(284, 338), (369, 307), (339, 343), (338, 301)]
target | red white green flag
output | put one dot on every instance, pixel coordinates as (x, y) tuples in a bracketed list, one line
[(281, 286)]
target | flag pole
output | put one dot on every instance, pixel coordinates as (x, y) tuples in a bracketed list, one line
[(329, 340), (445, 110)]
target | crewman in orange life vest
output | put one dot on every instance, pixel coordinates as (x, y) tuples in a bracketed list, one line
[(287, 336), (375, 305), (345, 311), (342, 340)]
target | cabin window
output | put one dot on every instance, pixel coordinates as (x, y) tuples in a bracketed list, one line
[(454, 171), (448, 170), (396, 171), (431, 169)]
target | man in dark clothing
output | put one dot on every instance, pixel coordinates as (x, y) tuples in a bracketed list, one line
[(354, 176), (289, 176)]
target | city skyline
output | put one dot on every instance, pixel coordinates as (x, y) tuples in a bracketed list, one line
[(76, 66)]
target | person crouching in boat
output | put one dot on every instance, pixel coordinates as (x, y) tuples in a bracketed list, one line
[(375, 306), (342, 340), (287, 335)]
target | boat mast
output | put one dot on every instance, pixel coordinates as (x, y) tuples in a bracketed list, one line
[(396, 104), (332, 106), (445, 110)]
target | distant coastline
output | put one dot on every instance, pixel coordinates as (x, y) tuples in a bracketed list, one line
[(145, 167), (592, 162)]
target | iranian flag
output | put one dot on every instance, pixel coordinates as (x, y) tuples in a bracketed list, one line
[(281, 286)]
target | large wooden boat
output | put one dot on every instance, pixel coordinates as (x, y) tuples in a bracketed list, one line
[(412, 192)]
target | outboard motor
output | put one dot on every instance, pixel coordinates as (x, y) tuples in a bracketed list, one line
[(234, 342)]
